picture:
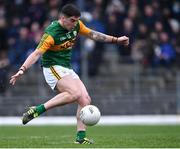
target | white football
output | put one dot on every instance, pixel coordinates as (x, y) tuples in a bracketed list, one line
[(90, 115)]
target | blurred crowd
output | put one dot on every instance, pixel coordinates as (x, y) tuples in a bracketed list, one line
[(153, 27)]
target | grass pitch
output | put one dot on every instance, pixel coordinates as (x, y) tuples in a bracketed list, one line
[(104, 137)]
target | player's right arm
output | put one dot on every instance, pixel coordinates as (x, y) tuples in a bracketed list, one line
[(46, 42)]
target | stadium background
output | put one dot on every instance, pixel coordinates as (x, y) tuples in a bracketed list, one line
[(142, 79)]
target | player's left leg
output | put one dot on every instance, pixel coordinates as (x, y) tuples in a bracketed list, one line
[(81, 128), (82, 101)]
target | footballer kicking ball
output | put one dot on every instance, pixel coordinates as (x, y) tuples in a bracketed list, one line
[(90, 115)]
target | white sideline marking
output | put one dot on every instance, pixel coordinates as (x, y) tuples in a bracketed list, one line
[(105, 120)]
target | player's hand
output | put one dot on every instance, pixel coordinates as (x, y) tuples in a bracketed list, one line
[(124, 40), (15, 77)]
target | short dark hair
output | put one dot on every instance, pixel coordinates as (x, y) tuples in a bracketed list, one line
[(70, 10)]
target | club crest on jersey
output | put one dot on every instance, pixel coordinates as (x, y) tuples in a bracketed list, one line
[(74, 33)]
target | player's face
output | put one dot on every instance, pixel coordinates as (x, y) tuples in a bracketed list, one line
[(70, 22)]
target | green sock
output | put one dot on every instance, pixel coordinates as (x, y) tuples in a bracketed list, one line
[(40, 109), (81, 135)]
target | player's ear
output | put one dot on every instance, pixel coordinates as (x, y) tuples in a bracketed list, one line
[(61, 16)]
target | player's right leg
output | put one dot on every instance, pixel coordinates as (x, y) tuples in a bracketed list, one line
[(29, 115), (60, 99), (68, 93)]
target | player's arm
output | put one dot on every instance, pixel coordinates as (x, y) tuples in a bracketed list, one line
[(98, 36), (46, 42), (32, 58)]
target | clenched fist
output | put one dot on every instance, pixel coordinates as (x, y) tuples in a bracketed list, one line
[(124, 40)]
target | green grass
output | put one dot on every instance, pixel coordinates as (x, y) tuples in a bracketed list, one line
[(104, 136)]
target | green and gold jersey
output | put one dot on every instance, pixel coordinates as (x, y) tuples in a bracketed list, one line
[(57, 42)]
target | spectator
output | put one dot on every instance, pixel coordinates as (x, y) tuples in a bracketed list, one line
[(19, 49), (128, 30), (13, 31), (165, 52), (3, 35), (4, 65), (149, 16), (95, 56)]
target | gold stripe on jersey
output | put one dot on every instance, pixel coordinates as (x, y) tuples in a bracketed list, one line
[(55, 73), (83, 29), (46, 43)]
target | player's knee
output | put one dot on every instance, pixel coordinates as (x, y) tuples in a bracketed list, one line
[(89, 99), (85, 101), (76, 95)]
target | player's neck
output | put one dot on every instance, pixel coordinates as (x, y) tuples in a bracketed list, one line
[(61, 23)]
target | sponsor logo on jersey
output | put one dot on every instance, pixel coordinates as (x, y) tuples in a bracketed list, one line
[(62, 38), (68, 35)]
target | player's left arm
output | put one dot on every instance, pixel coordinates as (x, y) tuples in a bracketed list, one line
[(98, 36)]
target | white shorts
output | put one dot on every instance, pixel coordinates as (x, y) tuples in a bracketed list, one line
[(55, 73)]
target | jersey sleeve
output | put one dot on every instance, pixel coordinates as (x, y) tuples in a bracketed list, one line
[(46, 42), (83, 29)]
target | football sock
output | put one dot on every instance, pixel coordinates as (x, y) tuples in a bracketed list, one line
[(81, 135), (40, 109)]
